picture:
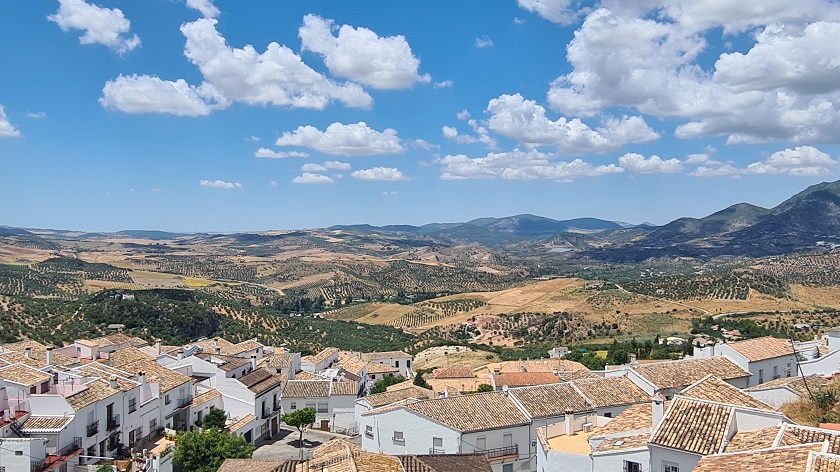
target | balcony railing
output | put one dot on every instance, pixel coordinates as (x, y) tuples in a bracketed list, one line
[(37, 466), (277, 406), (70, 448), (184, 402), (266, 414), (92, 428), (113, 422), (500, 451), (437, 450)]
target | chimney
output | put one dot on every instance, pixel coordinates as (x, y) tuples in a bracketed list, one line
[(141, 377), (27, 352), (633, 359), (180, 354), (216, 346), (658, 409), (253, 362), (157, 346), (112, 381), (570, 415), (522, 368), (49, 356)]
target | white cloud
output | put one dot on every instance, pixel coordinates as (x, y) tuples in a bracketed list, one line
[(802, 161), (647, 56), (6, 128), (524, 120), (206, 7), (389, 194), (484, 42), (379, 173), (444, 84), (482, 135), (252, 139), (463, 115), (271, 154), (518, 21), (310, 178), (361, 55), (520, 165), (219, 184), (337, 165), (653, 165), (101, 25), (274, 183), (276, 77), (36, 116), (310, 167), (422, 144), (702, 159), (355, 139), (557, 11), (149, 94)]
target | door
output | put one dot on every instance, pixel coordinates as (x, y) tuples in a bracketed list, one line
[(325, 425), (481, 444)]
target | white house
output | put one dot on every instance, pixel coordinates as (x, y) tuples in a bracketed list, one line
[(787, 389), (766, 358), (332, 401), (396, 359), (670, 377), (320, 361)]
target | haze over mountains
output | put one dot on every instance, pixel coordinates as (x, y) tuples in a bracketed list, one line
[(805, 220)]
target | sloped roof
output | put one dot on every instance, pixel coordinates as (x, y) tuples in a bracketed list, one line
[(693, 426), (795, 434), (278, 360), (385, 355), (96, 390), (783, 459), (155, 373), (623, 443), (205, 397), (550, 400), (341, 455), (306, 388), (242, 422), (535, 365), (23, 375), (477, 412), (260, 380), (682, 373), (760, 349), (756, 439), (256, 465), (245, 346), (127, 355), (453, 372), (602, 392), (386, 398), (116, 339), (714, 389), (446, 463), (633, 418), (525, 379), (321, 356), (45, 424), (38, 352), (376, 368), (796, 384)]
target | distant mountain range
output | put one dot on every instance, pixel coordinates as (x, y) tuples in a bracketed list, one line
[(796, 224)]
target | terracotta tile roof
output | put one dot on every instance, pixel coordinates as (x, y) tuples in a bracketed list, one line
[(682, 373), (45, 424), (785, 459), (96, 370), (39, 355), (633, 418), (260, 381), (225, 362), (446, 463), (168, 379), (823, 462), (118, 338), (550, 400), (714, 389), (693, 426), (344, 388), (386, 398), (536, 365), (612, 391), (23, 375), (401, 385), (755, 439), (353, 365), (127, 355), (577, 375), (321, 356), (795, 384), (340, 455), (376, 368), (208, 346), (255, 465), (457, 385), (86, 342), (759, 349), (385, 355), (477, 412), (242, 422), (205, 397), (278, 360), (635, 441), (245, 346), (525, 379), (795, 434), (453, 372), (309, 376), (97, 390), (306, 388)]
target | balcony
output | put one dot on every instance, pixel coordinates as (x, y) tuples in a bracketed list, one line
[(437, 450), (500, 452), (37, 466), (70, 448), (185, 402), (92, 429), (277, 406), (113, 422), (266, 414)]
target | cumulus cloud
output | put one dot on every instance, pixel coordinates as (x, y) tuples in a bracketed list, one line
[(337, 165), (701, 159), (206, 7), (444, 84), (557, 11), (271, 154), (653, 165), (149, 94), (6, 128), (520, 165), (524, 120), (310, 167), (36, 116), (482, 135), (219, 184), (274, 183), (355, 139), (310, 178), (802, 161), (361, 55), (646, 56), (100, 25), (379, 173), (484, 42), (422, 144), (463, 115)]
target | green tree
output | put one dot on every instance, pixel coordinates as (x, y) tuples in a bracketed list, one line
[(105, 468), (385, 382), (420, 381), (484, 388), (300, 419), (214, 420), (206, 450)]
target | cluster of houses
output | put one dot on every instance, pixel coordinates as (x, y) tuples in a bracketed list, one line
[(120, 398)]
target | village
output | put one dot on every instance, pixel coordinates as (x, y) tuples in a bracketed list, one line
[(120, 400)]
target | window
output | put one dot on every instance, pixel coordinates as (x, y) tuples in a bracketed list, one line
[(369, 431), (18, 453), (788, 369), (397, 363), (632, 466), (322, 407), (670, 467), (166, 399), (481, 443), (608, 414), (507, 467), (292, 406), (408, 363), (508, 440), (398, 437), (761, 376), (153, 425), (132, 405), (775, 372), (437, 443)]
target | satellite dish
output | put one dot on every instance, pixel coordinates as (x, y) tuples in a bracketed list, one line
[(505, 389)]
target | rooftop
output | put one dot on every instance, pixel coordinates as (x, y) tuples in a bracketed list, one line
[(634, 418), (45, 424), (713, 389), (205, 397), (278, 360), (260, 381), (751, 440), (694, 426), (376, 368), (97, 390), (117, 339), (385, 355), (23, 375), (577, 443), (796, 384), (166, 378), (446, 463), (386, 398), (783, 459), (536, 365), (127, 355), (635, 441), (241, 423), (550, 400), (318, 388), (602, 392), (453, 372), (477, 412), (682, 373), (759, 349), (525, 379), (321, 356)]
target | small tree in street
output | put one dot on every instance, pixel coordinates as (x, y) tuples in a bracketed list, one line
[(206, 450), (215, 419), (300, 419)]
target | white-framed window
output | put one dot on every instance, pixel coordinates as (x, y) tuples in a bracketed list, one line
[(507, 467), (437, 442), (632, 466), (153, 424), (670, 467), (788, 370), (398, 437), (481, 443), (322, 407), (369, 431), (293, 406), (132, 405), (775, 372), (761, 376), (167, 400)]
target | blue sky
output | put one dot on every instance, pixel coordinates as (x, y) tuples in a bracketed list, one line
[(193, 115)]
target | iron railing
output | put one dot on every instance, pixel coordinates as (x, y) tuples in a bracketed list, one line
[(497, 452), (113, 422), (70, 448), (37, 466), (437, 450), (92, 428), (186, 401)]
